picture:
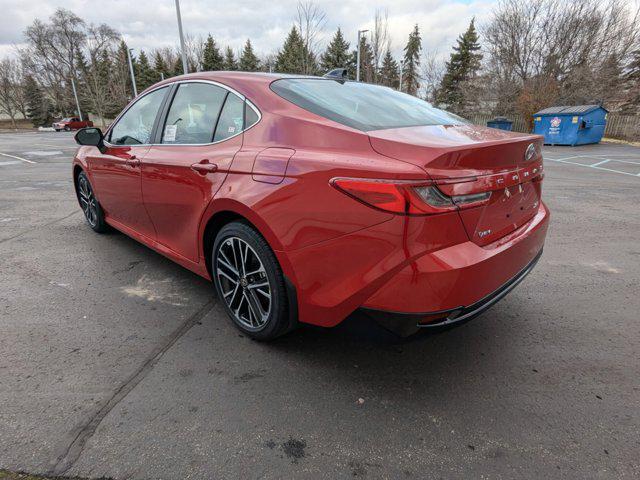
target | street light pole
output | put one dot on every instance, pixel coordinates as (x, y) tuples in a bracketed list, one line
[(183, 51), (133, 76), (401, 72), (75, 94), (360, 32)]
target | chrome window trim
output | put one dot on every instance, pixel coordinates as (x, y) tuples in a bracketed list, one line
[(212, 82)]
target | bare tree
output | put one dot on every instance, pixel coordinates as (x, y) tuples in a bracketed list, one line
[(10, 85), (432, 70), (97, 72), (574, 45), (66, 48), (380, 39), (310, 21), (194, 47)]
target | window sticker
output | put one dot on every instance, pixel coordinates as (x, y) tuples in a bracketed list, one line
[(170, 133), (232, 129)]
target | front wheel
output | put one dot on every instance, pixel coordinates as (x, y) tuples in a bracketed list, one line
[(90, 206), (67, 129), (249, 282)]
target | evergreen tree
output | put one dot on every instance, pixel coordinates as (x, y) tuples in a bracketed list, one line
[(177, 67), (389, 75), (145, 75), (412, 51), (81, 84), (230, 62), (160, 67), (122, 66), (248, 60), (211, 56), (367, 68), (39, 108), (291, 58), (337, 54), (455, 92)]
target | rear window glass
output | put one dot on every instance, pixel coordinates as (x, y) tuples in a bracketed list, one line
[(360, 105), (231, 119)]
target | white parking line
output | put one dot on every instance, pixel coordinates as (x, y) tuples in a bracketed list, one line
[(561, 160), (17, 158), (595, 157), (598, 163)]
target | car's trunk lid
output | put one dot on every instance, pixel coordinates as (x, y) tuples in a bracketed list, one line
[(467, 159)]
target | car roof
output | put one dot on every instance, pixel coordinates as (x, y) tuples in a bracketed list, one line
[(233, 77), (247, 83)]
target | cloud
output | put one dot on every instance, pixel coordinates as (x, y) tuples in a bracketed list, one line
[(147, 24)]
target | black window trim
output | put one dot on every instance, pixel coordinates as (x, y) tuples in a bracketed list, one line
[(163, 111)]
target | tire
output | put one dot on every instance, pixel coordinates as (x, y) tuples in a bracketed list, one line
[(67, 129), (93, 213), (57, 129), (250, 283)]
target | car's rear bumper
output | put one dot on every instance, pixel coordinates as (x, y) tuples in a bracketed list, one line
[(461, 281), (408, 323), (407, 265)]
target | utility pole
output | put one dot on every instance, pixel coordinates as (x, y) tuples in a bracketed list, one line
[(75, 94), (360, 32), (182, 49), (133, 77), (401, 72)]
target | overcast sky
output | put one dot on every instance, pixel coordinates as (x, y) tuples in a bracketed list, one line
[(148, 24)]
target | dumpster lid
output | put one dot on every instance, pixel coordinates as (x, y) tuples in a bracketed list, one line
[(577, 109)]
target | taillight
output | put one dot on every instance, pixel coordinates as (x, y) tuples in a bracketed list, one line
[(406, 197)]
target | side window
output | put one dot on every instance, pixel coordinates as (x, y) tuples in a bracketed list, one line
[(135, 126), (250, 116), (193, 113), (231, 118)]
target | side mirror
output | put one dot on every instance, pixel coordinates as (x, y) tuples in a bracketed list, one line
[(91, 136)]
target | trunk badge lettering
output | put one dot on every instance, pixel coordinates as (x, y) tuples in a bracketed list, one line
[(484, 233)]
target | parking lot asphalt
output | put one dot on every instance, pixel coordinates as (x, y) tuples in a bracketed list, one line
[(116, 362)]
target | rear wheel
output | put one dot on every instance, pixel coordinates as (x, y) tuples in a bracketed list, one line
[(249, 282), (90, 206)]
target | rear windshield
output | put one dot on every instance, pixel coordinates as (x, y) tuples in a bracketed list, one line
[(361, 105)]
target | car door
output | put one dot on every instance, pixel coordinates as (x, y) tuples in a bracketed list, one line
[(115, 173), (195, 146)]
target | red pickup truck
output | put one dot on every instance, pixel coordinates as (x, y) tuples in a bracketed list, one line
[(71, 123)]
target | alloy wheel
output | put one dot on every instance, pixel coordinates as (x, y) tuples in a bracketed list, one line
[(87, 201), (244, 284)]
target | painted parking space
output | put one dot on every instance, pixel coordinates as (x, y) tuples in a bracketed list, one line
[(606, 158)]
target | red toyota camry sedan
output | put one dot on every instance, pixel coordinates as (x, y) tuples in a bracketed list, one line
[(304, 199)]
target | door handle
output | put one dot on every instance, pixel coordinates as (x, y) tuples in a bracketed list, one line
[(133, 161), (204, 167)]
